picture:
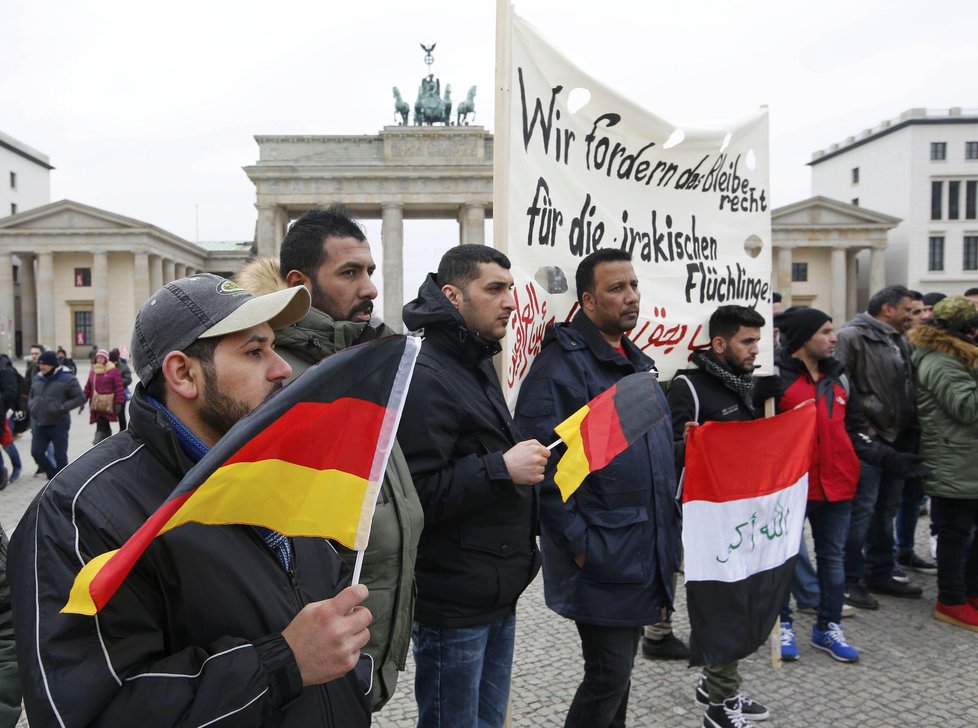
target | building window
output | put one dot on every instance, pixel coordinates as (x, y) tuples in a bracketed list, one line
[(799, 272), (935, 253), (13, 208), (83, 328), (970, 252), (855, 175), (970, 193), (855, 201), (13, 179), (970, 150), (938, 151), (935, 200), (83, 277), (953, 197)]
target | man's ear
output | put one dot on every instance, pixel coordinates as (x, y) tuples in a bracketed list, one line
[(453, 294), (297, 278), (718, 345), (587, 301), (183, 375)]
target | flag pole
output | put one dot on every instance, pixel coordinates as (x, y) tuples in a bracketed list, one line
[(356, 568), (775, 639), (554, 444)]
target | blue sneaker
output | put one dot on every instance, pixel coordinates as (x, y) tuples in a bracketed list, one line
[(833, 641), (789, 650)]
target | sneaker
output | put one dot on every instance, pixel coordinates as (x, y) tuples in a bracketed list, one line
[(960, 615), (899, 574), (914, 563), (933, 547), (856, 595), (789, 650), (667, 648), (832, 640), (847, 610), (749, 707), (728, 714), (14, 474), (894, 588)]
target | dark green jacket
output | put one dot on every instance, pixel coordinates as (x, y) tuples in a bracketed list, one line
[(947, 408), (388, 567)]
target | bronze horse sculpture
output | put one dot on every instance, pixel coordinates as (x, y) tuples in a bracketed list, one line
[(466, 107), (401, 107)]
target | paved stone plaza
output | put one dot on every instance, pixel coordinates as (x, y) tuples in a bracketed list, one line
[(914, 671)]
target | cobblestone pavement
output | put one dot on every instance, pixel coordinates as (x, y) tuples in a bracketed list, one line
[(913, 671)]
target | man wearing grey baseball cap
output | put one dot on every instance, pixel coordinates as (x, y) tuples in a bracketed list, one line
[(235, 625)]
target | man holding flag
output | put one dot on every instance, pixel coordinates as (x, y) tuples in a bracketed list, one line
[(611, 550), (214, 623)]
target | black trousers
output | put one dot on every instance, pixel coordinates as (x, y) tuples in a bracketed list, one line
[(955, 520), (601, 700)]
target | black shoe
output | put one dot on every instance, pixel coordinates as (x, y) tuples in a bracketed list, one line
[(728, 714), (668, 648), (856, 595), (750, 708), (894, 588), (914, 563)]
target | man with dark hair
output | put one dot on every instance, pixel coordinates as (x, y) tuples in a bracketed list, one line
[(216, 624), (340, 281), (930, 299), (876, 355), (916, 308), (719, 388), (473, 472), (55, 392), (611, 551)]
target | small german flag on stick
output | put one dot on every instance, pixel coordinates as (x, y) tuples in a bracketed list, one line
[(308, 462), (605, 427)]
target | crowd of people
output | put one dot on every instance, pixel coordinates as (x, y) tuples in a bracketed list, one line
[(246, 626)]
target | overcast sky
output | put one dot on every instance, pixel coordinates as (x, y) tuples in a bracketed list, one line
[(149, 109)]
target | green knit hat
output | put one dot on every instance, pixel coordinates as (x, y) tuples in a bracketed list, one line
[(954, 312)]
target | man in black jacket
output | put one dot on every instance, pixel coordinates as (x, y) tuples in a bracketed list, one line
[(719, 388), (228, 625), (473, 476), (55, 392)]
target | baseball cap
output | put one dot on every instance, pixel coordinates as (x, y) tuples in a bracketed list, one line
[(205, 306)]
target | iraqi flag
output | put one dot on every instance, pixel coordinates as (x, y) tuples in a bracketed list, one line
[(308, 462), (744, 497), (605, 427)]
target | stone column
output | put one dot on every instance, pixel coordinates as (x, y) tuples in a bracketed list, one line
[(392, 238), (472, 219), (7, 321), (141, 280), (179, 271), (877, 270), (45, 300), (28, 301), (273, 221), (168, 268), (839, 287), (782, 279), (100, 289), (852, 283), (155, 274)]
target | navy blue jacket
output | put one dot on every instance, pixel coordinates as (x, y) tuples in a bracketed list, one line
[(624, 517)]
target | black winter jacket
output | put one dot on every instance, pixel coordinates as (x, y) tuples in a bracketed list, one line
[(193, 636), (478, 550), (53, 397)]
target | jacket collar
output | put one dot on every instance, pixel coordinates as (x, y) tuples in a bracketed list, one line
[(603, 351), (318, 335), (149, 425)]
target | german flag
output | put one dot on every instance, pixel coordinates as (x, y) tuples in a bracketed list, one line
[(605, 427), (308, 462)]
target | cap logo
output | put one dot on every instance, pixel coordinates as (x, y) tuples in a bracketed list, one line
[(230, 288)]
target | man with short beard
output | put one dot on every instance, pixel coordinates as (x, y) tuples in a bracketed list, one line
[(215, 624), (327, 252)]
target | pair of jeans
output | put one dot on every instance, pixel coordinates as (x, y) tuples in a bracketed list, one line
[(830, 524), (869, 547), (804, 582), (907, 514), (462, 674), (957, 548), (601, 700), (56, 436)]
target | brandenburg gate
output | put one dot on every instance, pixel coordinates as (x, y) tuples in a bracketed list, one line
[(405, 172)]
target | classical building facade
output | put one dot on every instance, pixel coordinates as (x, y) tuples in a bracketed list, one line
[(74, 276), (819, 245), (25, 177), (401, 173), (923, 168)]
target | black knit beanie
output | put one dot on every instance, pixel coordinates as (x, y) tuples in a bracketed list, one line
[(798, 325)]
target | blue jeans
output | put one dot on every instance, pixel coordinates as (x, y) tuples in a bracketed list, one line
[(462, 674), (908, 513), (830, 524), (869, 548), (804, 582), (55, 435), (601, 700)]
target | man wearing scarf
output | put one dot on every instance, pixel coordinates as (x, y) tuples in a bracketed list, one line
[(719, 387)]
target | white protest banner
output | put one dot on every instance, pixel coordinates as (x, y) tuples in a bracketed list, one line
[(580, 167)]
